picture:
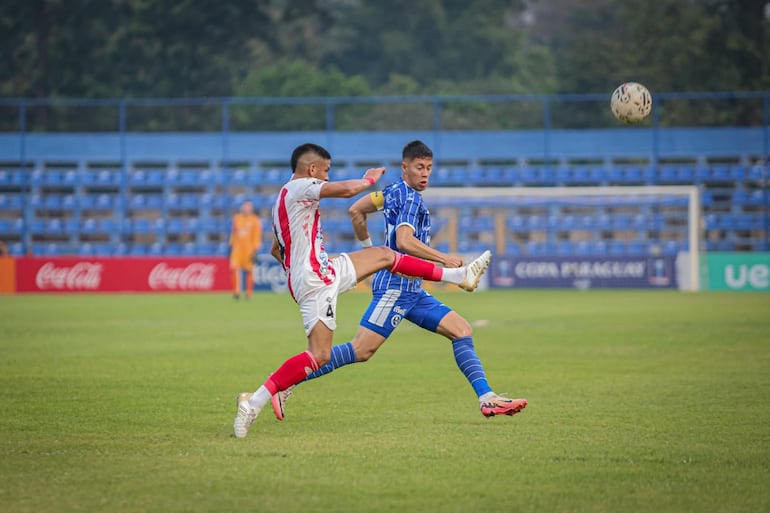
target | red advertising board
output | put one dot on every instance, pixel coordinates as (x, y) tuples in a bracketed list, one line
[(122, 274)]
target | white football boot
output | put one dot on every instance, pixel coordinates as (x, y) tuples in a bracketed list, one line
[(245, 415), (474, 270)]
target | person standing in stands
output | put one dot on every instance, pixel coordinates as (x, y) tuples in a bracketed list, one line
[(245, 240)]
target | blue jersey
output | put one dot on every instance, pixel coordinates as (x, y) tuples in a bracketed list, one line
[(402, 205)]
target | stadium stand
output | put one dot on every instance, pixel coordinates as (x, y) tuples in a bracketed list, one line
[(173, 194)]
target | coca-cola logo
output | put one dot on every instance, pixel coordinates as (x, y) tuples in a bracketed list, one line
[(195, 276), (81, 276)]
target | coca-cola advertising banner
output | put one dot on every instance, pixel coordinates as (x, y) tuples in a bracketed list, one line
[(122, 274), (583, 272)]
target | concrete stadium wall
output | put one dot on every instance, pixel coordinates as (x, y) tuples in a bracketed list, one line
[(448, 145)]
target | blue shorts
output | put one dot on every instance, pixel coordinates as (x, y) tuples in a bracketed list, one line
[(389, 308)]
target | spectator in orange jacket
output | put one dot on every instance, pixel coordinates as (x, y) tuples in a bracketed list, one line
[(245, 240)]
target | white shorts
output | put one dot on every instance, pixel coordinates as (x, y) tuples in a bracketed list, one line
[(320, 303)]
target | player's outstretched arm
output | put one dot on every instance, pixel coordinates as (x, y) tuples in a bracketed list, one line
[(369, 204), (349, 188), (411, 245)]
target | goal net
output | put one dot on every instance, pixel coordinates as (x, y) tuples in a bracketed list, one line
[(612, 222)]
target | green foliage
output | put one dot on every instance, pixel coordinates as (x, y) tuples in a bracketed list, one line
[(272, 48), (638, 401)]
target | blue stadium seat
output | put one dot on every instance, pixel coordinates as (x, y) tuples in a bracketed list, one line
[(147, 178), (617, 247), (35, 201), (88, 226), (565, 247), (189, 249), (52, 202), (86, 249), (37, 226), (598, 175), (448, 176), (189, 201), (221, 248), (582, 248), (158, 226), (707, 199), (603, 222), (738, 172), (210, 225), (107, 225), (101, 178), (174, 226), (711, 221), (140, 226), (536, 222), (16, 248), (528, 176), (757, 198), (137, 249), (54, 226), (11, 178), (756, 173), (585, 223), (516, 223), (107, 201), (637, 247), (469, 246), (466, 223), (275, 177), (5, 226), (667, 174), (10, 202), (155, 249), (71, 226), (512, 248), (671, 247), (620, 221), (744, 221), (598, 247)]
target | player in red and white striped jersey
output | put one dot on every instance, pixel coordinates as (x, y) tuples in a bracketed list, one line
[(315, 280)]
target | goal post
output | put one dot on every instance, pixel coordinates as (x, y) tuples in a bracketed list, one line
[(505, 202)]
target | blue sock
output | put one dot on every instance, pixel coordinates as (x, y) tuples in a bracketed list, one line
[(470, 365), (342, 354)]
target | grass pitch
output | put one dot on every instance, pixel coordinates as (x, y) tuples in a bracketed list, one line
[(639, 401)]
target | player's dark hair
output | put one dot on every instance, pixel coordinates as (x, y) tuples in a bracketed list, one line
[(306, 148), (416, 150)]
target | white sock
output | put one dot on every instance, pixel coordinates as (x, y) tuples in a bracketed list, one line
[(260, 398), (484, 397), (454, 275)]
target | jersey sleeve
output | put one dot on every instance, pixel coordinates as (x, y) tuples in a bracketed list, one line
[(407, 215), (311, 190)]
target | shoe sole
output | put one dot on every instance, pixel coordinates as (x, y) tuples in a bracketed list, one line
[(510, 412), (275, 401)]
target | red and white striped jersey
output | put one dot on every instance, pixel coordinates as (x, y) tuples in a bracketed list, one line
[(297, 228)]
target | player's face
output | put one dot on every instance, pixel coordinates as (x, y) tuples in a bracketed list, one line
[(247, 208), (320, 169), (416, 172)]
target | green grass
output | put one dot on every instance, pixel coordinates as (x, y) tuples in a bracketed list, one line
[(639, 401)]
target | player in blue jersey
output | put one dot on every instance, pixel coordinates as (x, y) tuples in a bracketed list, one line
[(407, 230)]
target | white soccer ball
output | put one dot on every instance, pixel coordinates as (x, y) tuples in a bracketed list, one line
[(631, 102)]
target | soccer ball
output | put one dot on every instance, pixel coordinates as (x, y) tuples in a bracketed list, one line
[(631, 102)]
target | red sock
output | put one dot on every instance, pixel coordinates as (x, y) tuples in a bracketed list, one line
[(293, 370), (416, 268)]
